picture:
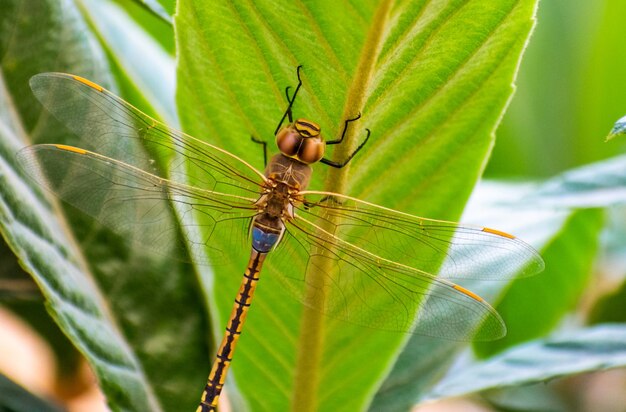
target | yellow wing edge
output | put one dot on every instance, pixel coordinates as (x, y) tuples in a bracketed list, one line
[(70, 149), (498, 232), (468, 293), (88, 83)]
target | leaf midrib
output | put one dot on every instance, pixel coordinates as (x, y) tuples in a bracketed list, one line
[(313, 323)]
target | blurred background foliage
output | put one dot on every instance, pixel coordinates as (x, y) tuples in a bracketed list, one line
[(571, 88)]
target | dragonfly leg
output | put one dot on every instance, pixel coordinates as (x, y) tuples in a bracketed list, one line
[(345, 129), (339, 165), (290, 100), (328, 198), (264, 144), (288, 113)]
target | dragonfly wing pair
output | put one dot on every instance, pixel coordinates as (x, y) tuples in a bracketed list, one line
[(132, 170), (357, 261)]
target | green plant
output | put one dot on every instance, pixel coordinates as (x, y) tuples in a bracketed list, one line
[(432, 80)]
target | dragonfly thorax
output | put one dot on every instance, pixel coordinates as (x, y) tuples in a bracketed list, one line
[(301, 140), (275, 207), (275, 204), (289, 171)]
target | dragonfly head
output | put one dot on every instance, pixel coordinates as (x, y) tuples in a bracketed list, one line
[(301, 140)]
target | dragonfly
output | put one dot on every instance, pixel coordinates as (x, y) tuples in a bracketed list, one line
[(360, 262)]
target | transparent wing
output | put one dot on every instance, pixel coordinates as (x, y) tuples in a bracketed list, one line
[(350, 283), (109, 126), (375, 266), (466, 252), (135, 169), (137, 204)]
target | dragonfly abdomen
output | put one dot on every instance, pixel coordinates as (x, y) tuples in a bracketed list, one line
[(264, 238), (238, 315)]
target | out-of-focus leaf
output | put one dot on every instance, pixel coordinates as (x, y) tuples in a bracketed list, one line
[(161, 30), (610, 308), (45, 250), (42, 36), (130, 48), (619, 128), (431, 80), (157, 8), (559, 118), (539, 397), (137, 318), (559, 233), (596, 348), (14, 398), (599, 184), (19, 293)]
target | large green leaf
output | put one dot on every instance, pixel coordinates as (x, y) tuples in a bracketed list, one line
[(431, 80), (46, 250), (598, 348), (107, 299)]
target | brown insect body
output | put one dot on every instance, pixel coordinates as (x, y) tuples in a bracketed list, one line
[(287, 175)]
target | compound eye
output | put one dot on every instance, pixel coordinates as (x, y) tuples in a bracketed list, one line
[(289, 141), (312, 150), (307, 128)]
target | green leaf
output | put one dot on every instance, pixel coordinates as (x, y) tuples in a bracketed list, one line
[(558, 118), (610, 308), (33, 40), (431, 81), (129, 47), (597, 348), (16, 399), (155, 7), (159, 29), (598, 184), (107, 299), (619, 128), (45, 250)]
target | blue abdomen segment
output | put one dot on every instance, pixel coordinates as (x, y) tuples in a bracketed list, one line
[(263, 241)]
